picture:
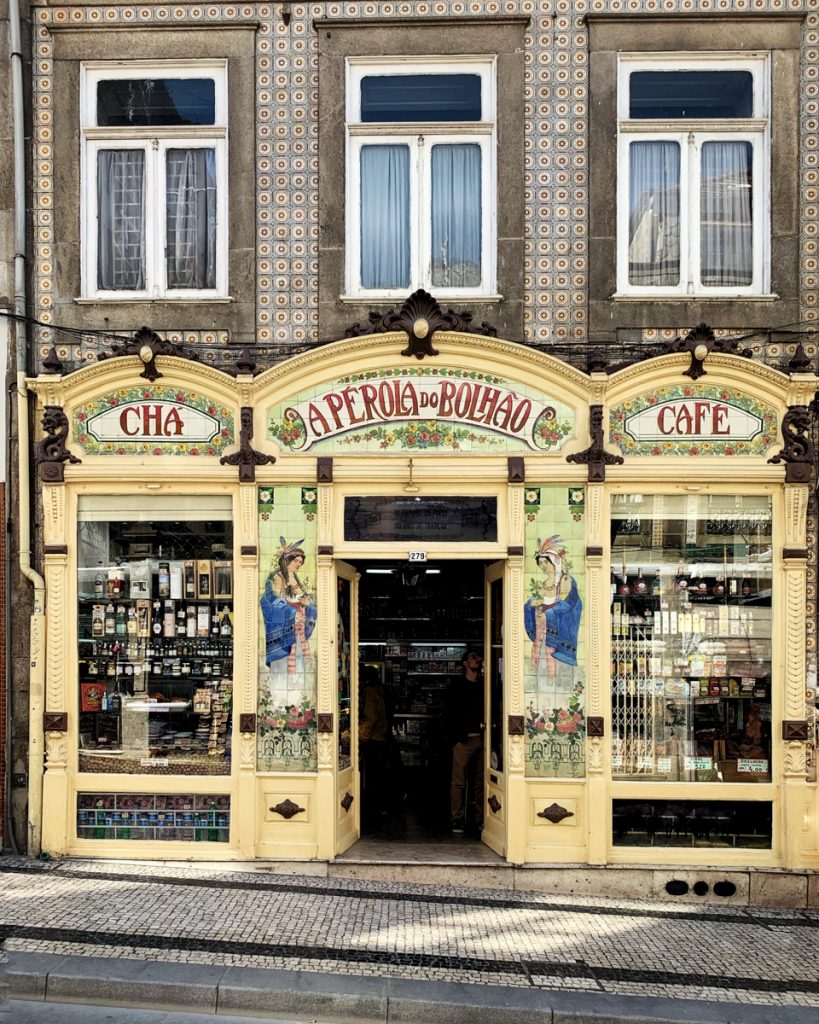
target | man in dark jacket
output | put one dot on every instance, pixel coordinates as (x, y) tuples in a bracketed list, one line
[(465, 721)]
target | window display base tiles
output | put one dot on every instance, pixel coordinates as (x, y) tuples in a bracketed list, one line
[(153, 817), (416, 932)]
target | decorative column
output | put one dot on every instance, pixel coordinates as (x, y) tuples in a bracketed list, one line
[(516, 810), (327, 702), (598, 681), (246, 611)]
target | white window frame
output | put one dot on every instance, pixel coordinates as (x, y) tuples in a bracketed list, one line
[(421, 137), (690, 134), (154, 141)]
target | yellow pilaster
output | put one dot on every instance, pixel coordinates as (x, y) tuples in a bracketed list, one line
[(327, 703), (516, 802), (598, 684), (245, 667)]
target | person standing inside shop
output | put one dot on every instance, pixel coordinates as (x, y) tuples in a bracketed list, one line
[(465, 721), (373, 735)]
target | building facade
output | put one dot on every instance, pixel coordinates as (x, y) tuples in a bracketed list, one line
[(278, 191)]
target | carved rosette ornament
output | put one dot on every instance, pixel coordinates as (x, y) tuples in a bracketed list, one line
[(555, 813), (51, 452), (247, 458), (798, 452), (420, 317), (148, 345), (287, 809), (595, 456)]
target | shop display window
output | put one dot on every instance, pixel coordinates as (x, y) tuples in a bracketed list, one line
[(152, 816), (155, 635), (692, 823), (691, 638)]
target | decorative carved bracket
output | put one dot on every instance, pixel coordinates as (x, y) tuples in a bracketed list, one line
[(324, 469), (798, 453), (516, 469), (420, 317), (51, 363), (555, 813), (494, 804), (247, 723), (595, 456), (595, 726), (287, 809), (55, 721), (516, 725), (51, 452), (700, 343), (247, 458), (324, 722), (347, 802), (148, 345)]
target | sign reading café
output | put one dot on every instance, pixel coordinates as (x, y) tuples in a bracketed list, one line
[(154, 420), (695, 419), (416, 408)]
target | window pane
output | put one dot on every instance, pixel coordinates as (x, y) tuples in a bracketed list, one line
[(421, 98), (654, 213), (121, 219), (726, 226), (693, 823), (691, 638), (385, 230), (691, 94), (155, 101), (456, 216), (190, 253)]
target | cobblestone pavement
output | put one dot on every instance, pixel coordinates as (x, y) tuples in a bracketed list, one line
[(182, 914)]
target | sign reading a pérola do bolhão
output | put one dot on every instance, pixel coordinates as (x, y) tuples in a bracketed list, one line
[(418, 409)]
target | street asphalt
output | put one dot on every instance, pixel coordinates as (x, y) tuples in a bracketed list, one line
[(205, 941)]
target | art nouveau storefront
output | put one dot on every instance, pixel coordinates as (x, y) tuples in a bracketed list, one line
[(643, 542)]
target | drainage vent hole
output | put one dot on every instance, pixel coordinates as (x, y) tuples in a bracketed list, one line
[(700, 888), (676, 887), (724, 889)]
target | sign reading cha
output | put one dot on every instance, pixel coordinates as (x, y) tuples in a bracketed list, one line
[(471, 403), (153, 421), (687, 419)]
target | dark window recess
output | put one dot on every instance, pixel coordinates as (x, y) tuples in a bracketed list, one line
[(699, 95), (692, 823), (421, 520), (421, 98), (127, 102)]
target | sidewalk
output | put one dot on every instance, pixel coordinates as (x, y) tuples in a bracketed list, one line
[(244, 942)]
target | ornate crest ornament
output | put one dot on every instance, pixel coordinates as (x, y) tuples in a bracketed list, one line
[(247, 458), (595, 456), (494, 804), (555, 813), (420, 317), (148, 345), (287, 809), (51, 452), (347, 802), (700, 343)]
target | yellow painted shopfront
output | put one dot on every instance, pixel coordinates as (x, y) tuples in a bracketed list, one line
[(236, 565)]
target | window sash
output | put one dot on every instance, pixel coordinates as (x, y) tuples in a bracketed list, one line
[(156, 254), (690, 219), (420, 212)]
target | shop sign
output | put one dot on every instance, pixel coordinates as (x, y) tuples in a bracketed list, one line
[(155, 421), (421, 408), (693, 420)]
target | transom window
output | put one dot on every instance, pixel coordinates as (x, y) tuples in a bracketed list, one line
[(155, 160), (421, 176), (693, 159)]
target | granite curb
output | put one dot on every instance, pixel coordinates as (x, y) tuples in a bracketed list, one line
[(349, 999)]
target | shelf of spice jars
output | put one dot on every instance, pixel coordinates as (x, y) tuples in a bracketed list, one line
[(153, 817)]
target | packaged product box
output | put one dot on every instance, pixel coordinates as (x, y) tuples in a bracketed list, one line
[(140, 580), (204, 579)]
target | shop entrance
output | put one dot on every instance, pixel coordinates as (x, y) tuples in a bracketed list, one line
[(418, 709)]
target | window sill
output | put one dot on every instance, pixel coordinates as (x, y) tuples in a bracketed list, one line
[(676, 297), (120, 299), (360, 300)]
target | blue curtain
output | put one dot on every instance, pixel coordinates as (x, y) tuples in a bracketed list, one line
[(456, 216), (385, 217)]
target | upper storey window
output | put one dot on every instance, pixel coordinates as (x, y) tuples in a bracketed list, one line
[(421, 177), (155, 160), (693, 190)]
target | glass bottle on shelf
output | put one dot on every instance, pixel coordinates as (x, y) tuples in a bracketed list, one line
[(156, 624), (657, 585), (110, 620), (226, 629), (169, 620), (132, 621), (99, 581), (718, 589), (120, 621), (639, 585), (681, 580)]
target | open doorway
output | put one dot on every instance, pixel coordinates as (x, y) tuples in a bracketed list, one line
[(417, 624)]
